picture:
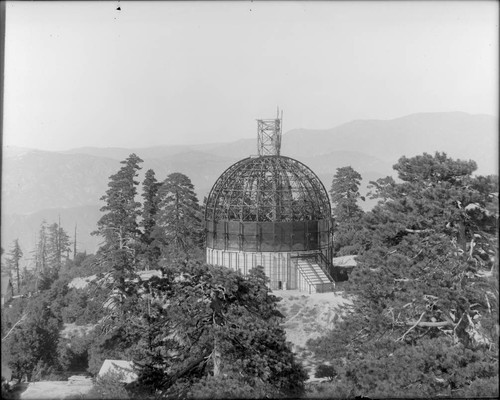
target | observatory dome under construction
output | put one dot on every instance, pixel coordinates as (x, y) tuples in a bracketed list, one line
[(272, 211)]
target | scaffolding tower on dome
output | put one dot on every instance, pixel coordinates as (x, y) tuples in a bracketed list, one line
[(272, 211), (269, 136)]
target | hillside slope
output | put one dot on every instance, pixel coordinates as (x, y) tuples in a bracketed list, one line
[(460, 135), (25, 228), (308, 316), (38, 180)]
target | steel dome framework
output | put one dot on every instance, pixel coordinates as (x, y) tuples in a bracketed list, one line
[(268, 188)]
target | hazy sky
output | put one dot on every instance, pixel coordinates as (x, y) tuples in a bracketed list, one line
[(84, 74)]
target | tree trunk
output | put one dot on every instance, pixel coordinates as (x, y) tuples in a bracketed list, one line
[(18, 278), (216, 354), (462, 242), (74, 245)]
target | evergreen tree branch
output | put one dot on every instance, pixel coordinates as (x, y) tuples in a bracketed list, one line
[(408, 331), (17, 323)]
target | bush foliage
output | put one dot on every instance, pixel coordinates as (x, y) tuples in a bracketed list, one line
[(425, 318)]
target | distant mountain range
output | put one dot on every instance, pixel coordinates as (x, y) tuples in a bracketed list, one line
[(45, 185)]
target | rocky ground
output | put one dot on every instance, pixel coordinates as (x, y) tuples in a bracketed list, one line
[(74, 388), (72, 330), (308, 316)]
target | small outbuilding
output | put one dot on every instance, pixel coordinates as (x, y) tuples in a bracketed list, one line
[(342, 267), (123, 367)]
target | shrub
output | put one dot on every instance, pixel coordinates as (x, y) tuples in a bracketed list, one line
[(108, 386)]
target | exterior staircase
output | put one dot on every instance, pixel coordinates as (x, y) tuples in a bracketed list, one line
[(315, 278)]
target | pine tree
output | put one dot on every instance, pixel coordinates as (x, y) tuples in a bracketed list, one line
[(425, 301), (32, 344), (205, 330), (15, 256), (74, 245), (440, 194), (41, 253), (345, 194), (118, 255), (119, 226), (152, 240), (346, 212), (180, 214), (58, 244)]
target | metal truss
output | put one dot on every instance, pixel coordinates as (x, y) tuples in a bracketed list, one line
[(268, 188), (269, 137)]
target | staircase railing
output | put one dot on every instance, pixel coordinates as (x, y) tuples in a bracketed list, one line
[(320, 259), (295, 261), (315, 271)]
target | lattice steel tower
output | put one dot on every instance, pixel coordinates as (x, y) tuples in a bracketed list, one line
[(269, 136)]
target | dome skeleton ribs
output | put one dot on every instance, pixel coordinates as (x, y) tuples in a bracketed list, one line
[(268, 188)]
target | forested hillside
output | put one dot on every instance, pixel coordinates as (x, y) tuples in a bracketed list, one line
[(423, 320), (191, 329)]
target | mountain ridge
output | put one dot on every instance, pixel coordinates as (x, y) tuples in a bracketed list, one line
[(38, 180)]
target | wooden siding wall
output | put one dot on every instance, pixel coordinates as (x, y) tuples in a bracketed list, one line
[(282, 273)]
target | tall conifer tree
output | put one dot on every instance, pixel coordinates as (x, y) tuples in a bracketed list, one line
[(180, 214), (119, 226), (13, 262), (345, 194), (346, 212), (152, 238), (41, 264), (58, 244)]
